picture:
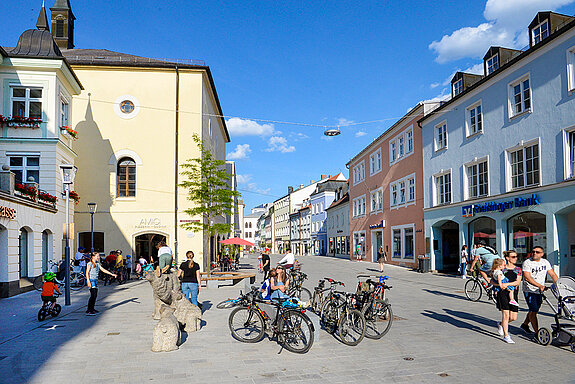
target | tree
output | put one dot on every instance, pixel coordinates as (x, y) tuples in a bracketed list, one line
[(208, 188)]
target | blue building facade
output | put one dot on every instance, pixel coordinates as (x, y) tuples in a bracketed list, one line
[(499, 157), (320, 200)]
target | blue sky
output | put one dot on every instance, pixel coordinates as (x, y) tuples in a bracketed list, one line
[(319, 63)]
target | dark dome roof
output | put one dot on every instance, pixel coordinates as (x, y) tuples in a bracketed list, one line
[(36, 43)]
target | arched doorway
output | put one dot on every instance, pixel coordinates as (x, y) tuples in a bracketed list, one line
[(146, 245), (450, 246), (525, 231), (46, 249), (24, 243), (482, 229)]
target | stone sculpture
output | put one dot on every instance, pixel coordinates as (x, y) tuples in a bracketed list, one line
[(187, 313), (163, 287), (167, 331)]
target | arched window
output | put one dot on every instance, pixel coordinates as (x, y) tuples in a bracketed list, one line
[(126, 177)]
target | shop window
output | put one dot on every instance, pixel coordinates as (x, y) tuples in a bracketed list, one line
[(126, 177), (525, 231), (403, 246), (359, 243), (396, 243), (483, 229)]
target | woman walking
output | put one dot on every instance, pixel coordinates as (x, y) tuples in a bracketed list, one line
[(509, 311), (463, 261), (189, 274), (92, 269), (381, 256)]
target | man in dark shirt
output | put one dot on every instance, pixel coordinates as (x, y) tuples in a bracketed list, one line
[(266, 265)]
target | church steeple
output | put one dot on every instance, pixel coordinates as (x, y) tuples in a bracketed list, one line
[(42, 23), (63, 24)]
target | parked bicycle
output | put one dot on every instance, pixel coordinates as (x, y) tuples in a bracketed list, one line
[(289, 325), (339, 314), (49, 309), (475, 286), (77, 279), (374, 306), (320, 293), (296, 288)]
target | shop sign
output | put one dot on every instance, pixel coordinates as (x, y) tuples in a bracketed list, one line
[(9, 213), (381, 224), (518, 202), (150, 223)]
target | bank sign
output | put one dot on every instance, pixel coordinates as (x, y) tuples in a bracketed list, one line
[(518, 202)]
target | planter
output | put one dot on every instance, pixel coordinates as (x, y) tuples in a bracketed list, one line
[(72, 133), (20, 122)]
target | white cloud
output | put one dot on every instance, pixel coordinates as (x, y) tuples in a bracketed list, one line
[(245, 127), (297, 136), (241, 152), (360, 133), (244, 179), (253, 187), (342, 122), (506, 26), (434, 85), (279, 144)]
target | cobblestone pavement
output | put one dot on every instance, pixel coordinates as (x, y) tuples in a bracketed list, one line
[(440, 338)]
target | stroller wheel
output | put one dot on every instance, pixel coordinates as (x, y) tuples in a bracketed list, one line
[(573, 347), (543, 336)]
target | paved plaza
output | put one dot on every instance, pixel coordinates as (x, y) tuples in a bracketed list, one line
[(438, 337)]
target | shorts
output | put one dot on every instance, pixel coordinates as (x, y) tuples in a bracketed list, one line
[(487, 269), (534, 301), (502, 301), (48, 299), (165, 259)]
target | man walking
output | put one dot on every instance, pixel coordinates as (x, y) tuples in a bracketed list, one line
[(266, 265), (535, 271)]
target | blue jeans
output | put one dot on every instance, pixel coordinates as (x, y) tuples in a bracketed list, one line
[(462, 268), (191, 290)]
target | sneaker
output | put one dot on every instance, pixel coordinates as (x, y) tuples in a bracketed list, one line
[(508, 340), (525, 328), (463, 277), (91, 313), (513, 302), (95, 311), (500, 329)]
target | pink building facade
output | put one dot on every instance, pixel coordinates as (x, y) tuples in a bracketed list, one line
[(386, 194)]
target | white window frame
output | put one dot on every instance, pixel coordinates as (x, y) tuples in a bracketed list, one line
[(401, 145), (359, 172), (375, 162), (511, 96), (409, 140), (401, 229), (457, 87), (472, 129), (440, 141), (393, 195), (24, 168), (27, 99), (492, 63), (466, 187), (509, 172), (392, 151), (569, 150), (436, 194), (540, 31), (64, 111), (396, 187), (571, 69), (376, 201), (410, 188), (359, 206)]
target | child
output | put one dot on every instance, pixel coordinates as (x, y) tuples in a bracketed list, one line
[(499, 277), (48, 289)]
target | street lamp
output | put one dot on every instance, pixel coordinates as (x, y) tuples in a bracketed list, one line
[(68, 172), (92, 209)]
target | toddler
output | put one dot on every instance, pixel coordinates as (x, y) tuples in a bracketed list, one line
[(499, 277)]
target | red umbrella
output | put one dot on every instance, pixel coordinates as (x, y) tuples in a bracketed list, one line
[(237, 241), (484, 235), (520, 234)]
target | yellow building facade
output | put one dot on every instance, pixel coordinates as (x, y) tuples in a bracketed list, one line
[(135, 123)]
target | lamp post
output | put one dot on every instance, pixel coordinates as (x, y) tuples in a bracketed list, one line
[(68, 172), (92, 209)]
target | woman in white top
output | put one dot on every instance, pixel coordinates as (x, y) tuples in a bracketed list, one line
[(463, 262)]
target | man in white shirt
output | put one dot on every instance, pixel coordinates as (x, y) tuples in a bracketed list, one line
[(288, 260), (535, 271), (80, 258)]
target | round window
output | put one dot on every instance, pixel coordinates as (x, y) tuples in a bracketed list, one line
[(127, 106)]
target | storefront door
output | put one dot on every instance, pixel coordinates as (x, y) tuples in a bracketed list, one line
[(450, 246), (376, 243), (23, 252), (146, 245)]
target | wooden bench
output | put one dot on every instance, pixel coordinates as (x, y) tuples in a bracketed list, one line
[(213, 279)]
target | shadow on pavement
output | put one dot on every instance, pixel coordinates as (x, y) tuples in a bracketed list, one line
[(457, 321), (440, 293)]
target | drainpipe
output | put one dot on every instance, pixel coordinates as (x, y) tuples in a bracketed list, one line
[(176, 168)]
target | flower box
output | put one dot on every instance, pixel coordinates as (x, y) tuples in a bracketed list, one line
[(74, 196), (20, 122), (46, 198), (25, 190), (69, 131)]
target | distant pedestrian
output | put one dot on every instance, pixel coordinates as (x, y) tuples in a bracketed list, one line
[(266, 265), (189, 274), (358, 252), (463, 262), (165, 256), (92, 269), (535, 271), (381, 256), (128, 266)]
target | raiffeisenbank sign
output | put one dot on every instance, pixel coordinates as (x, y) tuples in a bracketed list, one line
[(490, 206)]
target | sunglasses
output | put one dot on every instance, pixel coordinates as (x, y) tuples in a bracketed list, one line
[(538, 252), (513, 257)]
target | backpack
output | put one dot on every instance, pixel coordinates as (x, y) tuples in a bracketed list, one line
[(490, 249), (266, 288)]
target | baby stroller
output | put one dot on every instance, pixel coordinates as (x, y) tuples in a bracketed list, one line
[(561, 333)]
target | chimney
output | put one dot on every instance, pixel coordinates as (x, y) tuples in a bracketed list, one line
[(323, 177), (290, 189), (312, 181), (300, 186)]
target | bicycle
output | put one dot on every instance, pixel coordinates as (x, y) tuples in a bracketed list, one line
[(49, 309), (339, 313), (290, 326), (375, 307), (77, 279), (318, 297), (296, 289), (475, 286)]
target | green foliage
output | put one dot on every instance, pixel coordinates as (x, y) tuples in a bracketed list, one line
[(207, 186)]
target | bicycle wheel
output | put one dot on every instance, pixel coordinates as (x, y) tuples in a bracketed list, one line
[(473, 290), (378, 319), (316, 302), (351, 327), (329, 315), (56, 310), (38, 282), (77, 281), (246, 325), (229, 303), (42, 314), (297, 331)]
